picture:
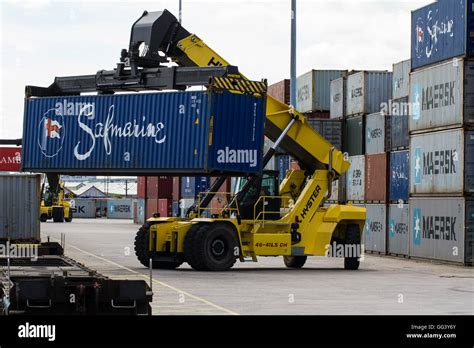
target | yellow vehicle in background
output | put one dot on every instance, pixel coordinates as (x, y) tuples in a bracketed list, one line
[(54, 206)]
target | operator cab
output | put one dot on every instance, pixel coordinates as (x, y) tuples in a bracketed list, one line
[(250, 207)]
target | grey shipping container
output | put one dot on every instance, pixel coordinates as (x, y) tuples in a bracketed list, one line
[(442, 96), (353, 138), (442, 229), (375, 233), (20, 207), (331, 130), (442, 163), (184, 204), (83, 208), (313, 90), (338, 101), (119, 209), (401, 79), (399, 116), (141, 211), (338, 194), (355, 184), (366, 92), (398, 226), (376, 130)]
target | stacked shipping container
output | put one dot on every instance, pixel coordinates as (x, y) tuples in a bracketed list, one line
[(441, 140)]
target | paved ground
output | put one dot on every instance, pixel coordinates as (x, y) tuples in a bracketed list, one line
[(382, 285)]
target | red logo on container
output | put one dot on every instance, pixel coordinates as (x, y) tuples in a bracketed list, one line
[(10, 159)]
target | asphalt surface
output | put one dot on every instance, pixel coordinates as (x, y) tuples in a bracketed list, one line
[(382, 285)]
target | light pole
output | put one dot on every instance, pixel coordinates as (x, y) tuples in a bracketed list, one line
[(293, 55), (180, 11)]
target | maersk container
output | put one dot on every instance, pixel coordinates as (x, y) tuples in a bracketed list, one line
[(119, 209), (401, 79), (331, 130), (367, 91), (280, 91), (353, 137), (442, 229), (355, 184), (20, 207), (398, 227), (400, 114), (442, 96), (442, 163), (398, 176), (376, 138), (313, 90), (191, 186), (338, 102), (440, 31), (83, 208), (375, 231), (376, 189), (174, 132)]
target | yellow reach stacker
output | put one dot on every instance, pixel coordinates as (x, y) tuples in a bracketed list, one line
[(289, 220)]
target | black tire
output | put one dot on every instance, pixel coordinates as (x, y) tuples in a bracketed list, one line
[(211, 247), (294, 261), (69, 219), (143, 254), (58, 214), (352, 237), (43, 218)]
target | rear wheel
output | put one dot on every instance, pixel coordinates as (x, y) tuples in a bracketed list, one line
[(44, 217), (69, 219), (211, 247), (58, 214), (294, 261), (353, 239), (142, 251)]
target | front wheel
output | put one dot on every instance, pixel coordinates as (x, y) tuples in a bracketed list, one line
[(211, 247), (294, 261), (43, 218)]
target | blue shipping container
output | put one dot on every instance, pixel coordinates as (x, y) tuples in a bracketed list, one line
[(175, 209), (283, 166), (174, 132), (441, 31), (191, 186), (399, 171)]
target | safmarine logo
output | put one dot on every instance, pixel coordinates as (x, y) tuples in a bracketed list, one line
[(418, 166), (392, 228), (416, 101), (52, 128), (417, 226), (51, 133), (369, 135), (420, 37)]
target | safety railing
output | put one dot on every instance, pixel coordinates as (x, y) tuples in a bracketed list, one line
[(224, 200), (259, 216)]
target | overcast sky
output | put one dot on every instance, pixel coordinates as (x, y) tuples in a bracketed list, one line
[(43, 39)]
